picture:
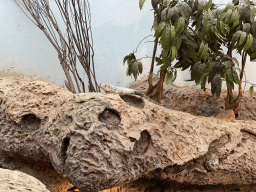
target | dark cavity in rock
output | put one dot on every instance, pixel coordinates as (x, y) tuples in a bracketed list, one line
[(64, 148), (133, 101), (31, 122), (142, 145), (110, 117)]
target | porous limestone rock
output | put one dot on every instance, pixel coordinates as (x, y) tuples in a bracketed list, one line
[(226, 114), (98, 141), (197, 102), (19, 182)]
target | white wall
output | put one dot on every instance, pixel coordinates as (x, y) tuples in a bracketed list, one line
[(117, 25)]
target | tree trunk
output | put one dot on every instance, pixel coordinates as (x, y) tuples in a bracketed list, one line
[(150, 84), (230, 101), (156, 93)]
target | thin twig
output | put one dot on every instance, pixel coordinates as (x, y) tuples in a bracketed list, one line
[(141, 42)]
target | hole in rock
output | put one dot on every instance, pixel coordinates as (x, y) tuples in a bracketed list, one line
[(31, 122), (110, 117), (64, 148), (132, 139), (141, 146), (133, 101)]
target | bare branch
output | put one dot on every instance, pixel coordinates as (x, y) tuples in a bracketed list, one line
[(72, 43)]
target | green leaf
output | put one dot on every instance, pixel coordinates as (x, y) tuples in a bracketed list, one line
[(170, 76), (180, 26), (164, 66), (216, 85), (252, 15), (204, 52), (236, 2), (229, 76), (248, 43), (228, 6), (164, 54), (235, 38), (235, 77), (141, 3), (236, 23), (228, 16), (178, 41), (200, 50), (176, 14), (246, 15), (242, 38), (132, 57), (135, 71), (125, 59), (228, 65), (166, 43), (227, 28), (238, 69), (197, 71), (253, 56), (251, 91), (208, 5), (170, 13), (222, 28), (173, 34), (184, 10), (164, 14), (155, 23), (254, 29), (174, 53), (246, 27), (159, 30), (233, 17), (194, 71), (140, 67), (253, 47), (236, 61)]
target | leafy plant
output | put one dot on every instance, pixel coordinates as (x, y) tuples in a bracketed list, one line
[(234, 28), (193, 32), (134, 66)]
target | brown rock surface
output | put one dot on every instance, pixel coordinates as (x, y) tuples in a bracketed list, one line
[(197, 102), (98, 141), (226, 114), (19, 182)]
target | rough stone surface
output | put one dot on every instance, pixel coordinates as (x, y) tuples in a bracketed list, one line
[(19, 182), (98, 141), (226, 114), (197, 102)]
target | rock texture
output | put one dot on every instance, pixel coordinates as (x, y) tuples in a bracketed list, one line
[(19, 182), (197, 102), (99, 141), (226, 114)]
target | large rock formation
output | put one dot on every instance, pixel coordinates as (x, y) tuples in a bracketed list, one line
[(98, 141), (19, 182)]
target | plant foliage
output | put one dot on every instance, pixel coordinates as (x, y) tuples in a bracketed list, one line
[(193, 33)]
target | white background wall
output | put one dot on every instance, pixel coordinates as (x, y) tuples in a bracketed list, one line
[(117, 25)]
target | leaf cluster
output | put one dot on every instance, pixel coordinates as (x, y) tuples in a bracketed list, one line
[(134, 66), (234, 27), (193, 32)]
